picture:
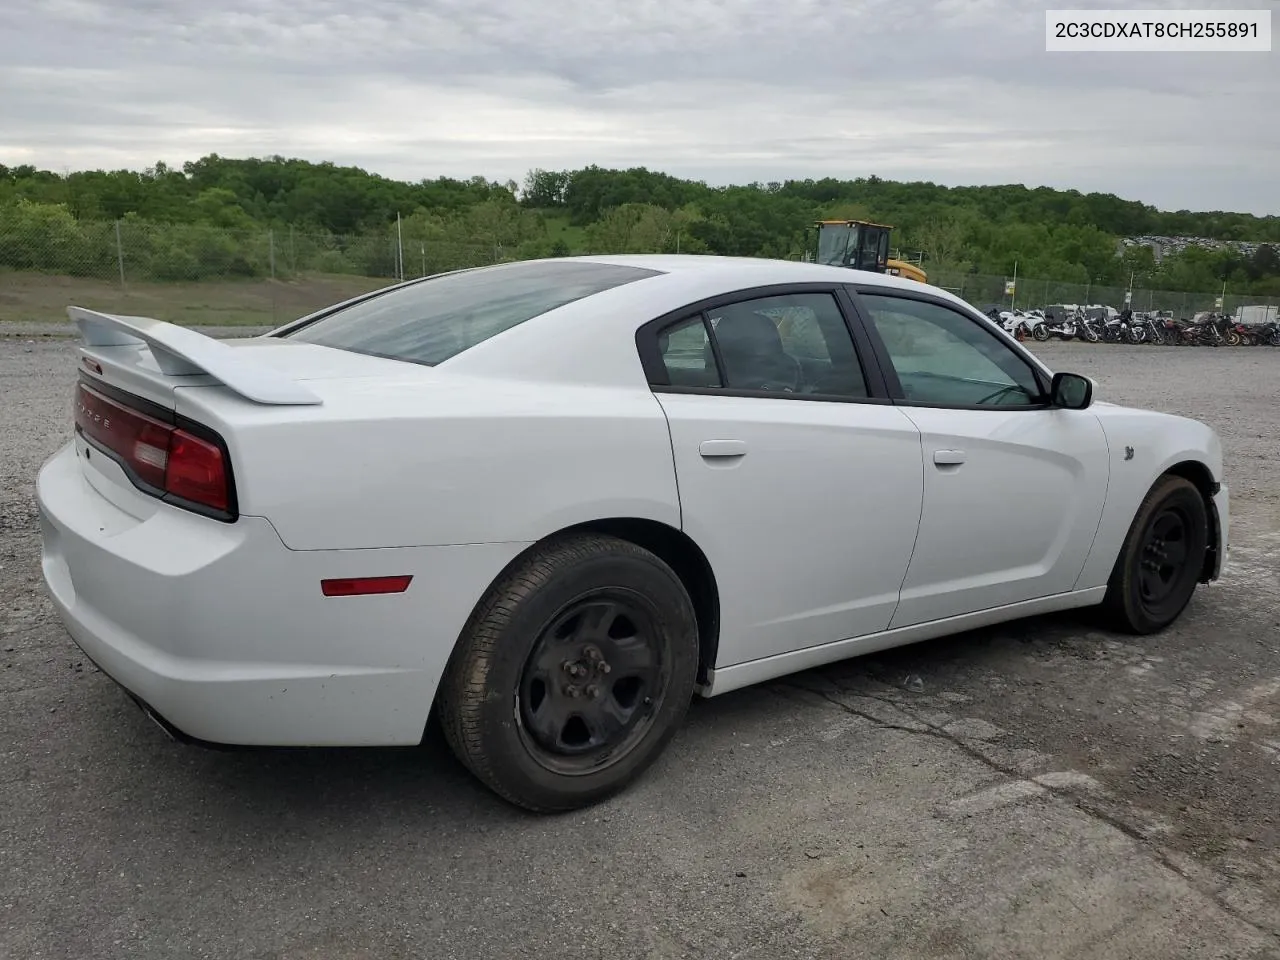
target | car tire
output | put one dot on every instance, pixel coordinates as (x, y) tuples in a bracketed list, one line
[(572, 674), (1162, 558)]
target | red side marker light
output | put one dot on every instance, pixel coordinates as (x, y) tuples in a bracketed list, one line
[(363, 586)]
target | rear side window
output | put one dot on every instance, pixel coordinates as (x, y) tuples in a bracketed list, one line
[(431, 321), (686, 354), (794, 343)]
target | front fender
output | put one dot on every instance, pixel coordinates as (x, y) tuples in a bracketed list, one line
[(1142, 447)]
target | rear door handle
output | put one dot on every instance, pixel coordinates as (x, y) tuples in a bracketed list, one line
[(948, 458), (722, 448)]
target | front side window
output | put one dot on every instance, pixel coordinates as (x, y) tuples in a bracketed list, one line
[(943, 357), (431, 321)]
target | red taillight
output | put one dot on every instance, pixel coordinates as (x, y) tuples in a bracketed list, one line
[(159, 456), (196, 471), (362, 586), (141, 441)]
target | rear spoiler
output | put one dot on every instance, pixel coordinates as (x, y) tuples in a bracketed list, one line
[(181, 352)]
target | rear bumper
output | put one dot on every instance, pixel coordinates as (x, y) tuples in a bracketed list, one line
[(223, 632)]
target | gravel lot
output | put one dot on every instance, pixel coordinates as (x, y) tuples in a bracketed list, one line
[(1043, 789)]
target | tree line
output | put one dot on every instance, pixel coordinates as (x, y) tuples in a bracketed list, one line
[(210, 218)]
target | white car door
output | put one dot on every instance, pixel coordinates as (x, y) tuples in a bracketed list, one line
[(802, 488), (1014, 488)]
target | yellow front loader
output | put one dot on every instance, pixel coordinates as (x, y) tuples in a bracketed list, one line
[(860, 245)]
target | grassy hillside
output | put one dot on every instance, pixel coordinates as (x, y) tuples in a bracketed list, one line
[(33, 297), (559, 229)]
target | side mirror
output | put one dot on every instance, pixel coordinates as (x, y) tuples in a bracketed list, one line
[(1071, 391)]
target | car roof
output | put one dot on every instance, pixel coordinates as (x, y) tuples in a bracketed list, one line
[(748, 271), (742, 272)]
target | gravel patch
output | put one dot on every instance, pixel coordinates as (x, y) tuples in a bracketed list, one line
[(1044, 788)]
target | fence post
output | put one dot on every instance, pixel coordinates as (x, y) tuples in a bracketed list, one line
[(120, 254), (399, 247), (271, 244)]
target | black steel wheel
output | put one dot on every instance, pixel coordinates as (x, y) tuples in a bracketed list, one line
[(589, 682), (1161, 560), (572, 674)]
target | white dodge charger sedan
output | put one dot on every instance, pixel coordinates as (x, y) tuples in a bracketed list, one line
[(552, 500)]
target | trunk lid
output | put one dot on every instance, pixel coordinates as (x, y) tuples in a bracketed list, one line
[(136, 445), (151, 359)]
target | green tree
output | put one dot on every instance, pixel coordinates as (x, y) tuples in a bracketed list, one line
[(944, 243), (544, 188), (211, 217)]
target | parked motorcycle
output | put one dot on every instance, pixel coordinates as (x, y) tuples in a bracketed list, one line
[(1123, 329), (1090, 328), (1267, 334), (1153, 329), (1235, 334), (1104, 324), (1171, 330), (1066, 328), (1226, 328), (1036, 322), (1022, 324), (1207, 332)]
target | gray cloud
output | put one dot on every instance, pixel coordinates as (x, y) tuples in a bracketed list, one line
[(955, 91)]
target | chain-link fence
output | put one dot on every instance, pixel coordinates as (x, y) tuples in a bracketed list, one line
[(984, 291), (138, 251), (198, 273), (208, 274)]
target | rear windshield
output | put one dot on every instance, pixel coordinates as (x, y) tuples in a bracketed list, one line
[(430, 321)]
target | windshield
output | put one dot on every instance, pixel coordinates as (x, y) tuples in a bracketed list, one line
[(835, 243), (430, 321)]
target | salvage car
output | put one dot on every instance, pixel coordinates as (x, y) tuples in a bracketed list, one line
[(554, 500)]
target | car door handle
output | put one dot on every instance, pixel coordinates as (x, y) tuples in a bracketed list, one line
[(948, 458), (722, 448)]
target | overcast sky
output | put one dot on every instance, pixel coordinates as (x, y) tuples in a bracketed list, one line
[(955, 91)]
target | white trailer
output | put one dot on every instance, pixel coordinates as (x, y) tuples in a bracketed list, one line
[(1255, 315)]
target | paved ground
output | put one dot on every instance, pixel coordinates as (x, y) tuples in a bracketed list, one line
[(1041, 790), (30, 330)]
